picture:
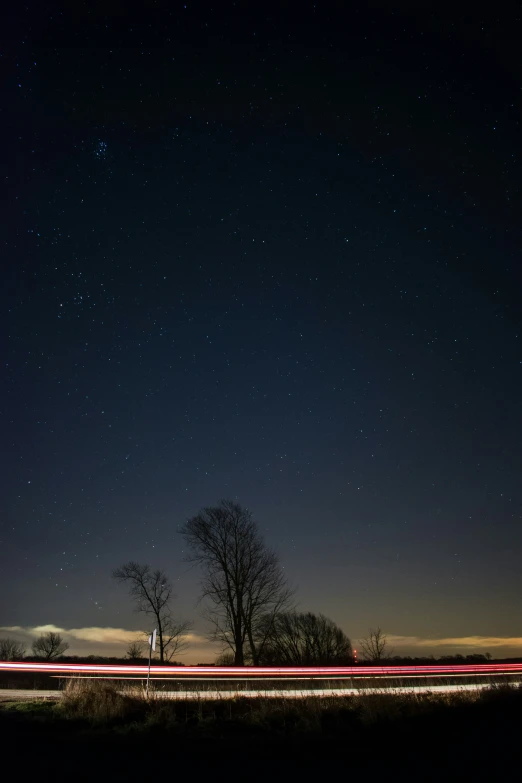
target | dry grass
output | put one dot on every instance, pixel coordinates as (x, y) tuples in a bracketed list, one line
[(102, 702)]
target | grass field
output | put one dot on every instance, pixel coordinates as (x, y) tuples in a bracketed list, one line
[(97, 732)]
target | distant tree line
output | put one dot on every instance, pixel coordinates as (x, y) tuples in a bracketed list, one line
[(226, 659)]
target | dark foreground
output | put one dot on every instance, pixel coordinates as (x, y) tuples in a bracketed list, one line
[(478, 739)]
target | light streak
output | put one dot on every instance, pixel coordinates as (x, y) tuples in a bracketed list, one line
[(164, 678), (214, 672)]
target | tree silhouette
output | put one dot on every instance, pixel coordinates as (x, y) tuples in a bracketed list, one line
[(152, 592), (49, 646), (135, 651), (11, 650), (304, 639), (375, 645), (242, 579)]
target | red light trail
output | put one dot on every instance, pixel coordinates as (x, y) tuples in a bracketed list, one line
[(212, 672)]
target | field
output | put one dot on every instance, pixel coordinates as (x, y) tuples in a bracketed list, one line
[(98, 732)]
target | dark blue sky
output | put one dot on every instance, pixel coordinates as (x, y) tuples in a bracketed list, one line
[(275, 258)]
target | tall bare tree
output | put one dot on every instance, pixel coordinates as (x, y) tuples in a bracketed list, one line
[(153, 593), (11, 650), (243, 581), (304, 639), (49, 646), (375, 645)]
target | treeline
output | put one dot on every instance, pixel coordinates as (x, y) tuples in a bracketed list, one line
[(446, 660)]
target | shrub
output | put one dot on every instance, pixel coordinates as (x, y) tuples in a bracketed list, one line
[(98, 701)]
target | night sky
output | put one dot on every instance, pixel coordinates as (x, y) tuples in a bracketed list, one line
[(272, 256)]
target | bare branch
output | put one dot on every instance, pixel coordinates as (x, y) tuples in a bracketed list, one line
[(152, 591), (242, 579), (303, 639), (11, 650), (135, 651), (375, 645), (49, 646), (175, 637)]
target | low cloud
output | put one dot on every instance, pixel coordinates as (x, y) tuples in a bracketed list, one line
[(114, 641), (98, 635), (93, 634), (454, 644)]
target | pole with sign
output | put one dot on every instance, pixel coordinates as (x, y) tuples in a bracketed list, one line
[(152, 646)]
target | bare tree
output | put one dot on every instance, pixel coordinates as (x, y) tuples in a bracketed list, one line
[(242, 579), (304, 639), (49, 646), (153, 593), (135, 651), (174, 637), (11, 650), (375, 645)]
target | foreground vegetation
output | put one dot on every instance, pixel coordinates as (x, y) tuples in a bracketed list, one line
[(97, 723), (125, 708)]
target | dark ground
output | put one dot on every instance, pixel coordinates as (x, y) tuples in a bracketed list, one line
[(476, 741)]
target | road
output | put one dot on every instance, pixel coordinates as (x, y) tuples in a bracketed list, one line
[(12, 694), (262, 682)]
